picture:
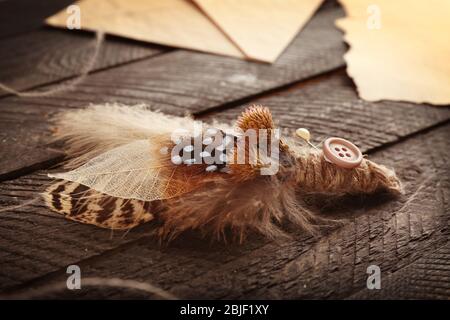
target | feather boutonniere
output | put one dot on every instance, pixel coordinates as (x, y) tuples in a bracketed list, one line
[(129, 165)]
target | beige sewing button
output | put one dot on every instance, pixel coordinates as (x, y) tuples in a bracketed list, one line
[(342, 153)]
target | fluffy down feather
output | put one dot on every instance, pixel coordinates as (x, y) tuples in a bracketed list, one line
[(96, 129)]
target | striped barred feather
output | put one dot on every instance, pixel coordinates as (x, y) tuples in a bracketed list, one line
[(80, 203)]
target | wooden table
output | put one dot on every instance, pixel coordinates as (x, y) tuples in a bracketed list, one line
[(307, 87)]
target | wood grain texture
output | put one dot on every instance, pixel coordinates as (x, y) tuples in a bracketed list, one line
[(34, 240), (25, 139), (426, 278), (394, 234), (47, 55), (18, 16)]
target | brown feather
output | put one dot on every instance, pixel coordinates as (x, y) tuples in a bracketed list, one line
[(79, 203)]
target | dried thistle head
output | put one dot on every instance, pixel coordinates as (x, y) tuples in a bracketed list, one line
[(255, 117), (258, 117)]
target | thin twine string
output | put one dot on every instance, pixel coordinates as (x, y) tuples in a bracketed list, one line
[(22, 205), (315, 174), (92, 282), (70, 84), (27, 203)]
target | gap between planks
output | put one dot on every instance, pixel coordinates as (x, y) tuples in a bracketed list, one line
[(4, 95)]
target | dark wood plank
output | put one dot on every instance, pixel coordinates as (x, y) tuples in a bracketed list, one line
[(48, 55), (18, 16), (394, 234), (34, 240), (24, 140), (426, 278)]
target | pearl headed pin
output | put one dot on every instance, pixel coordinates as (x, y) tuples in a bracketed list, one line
[(304, 134)]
